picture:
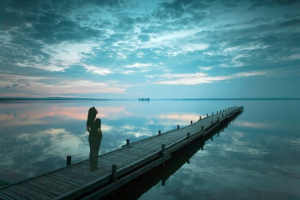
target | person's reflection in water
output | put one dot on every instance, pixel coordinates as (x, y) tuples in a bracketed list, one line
[(95, 137)]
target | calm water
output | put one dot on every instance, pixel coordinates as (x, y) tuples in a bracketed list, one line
[(256, 156)]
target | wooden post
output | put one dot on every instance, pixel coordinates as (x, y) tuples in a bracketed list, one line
[(200, 117), (159, 132), (163, 146), (178, 127), (127, 142), (113, 172), (69, 159), (191, 122), (163, 182), (188, 135)]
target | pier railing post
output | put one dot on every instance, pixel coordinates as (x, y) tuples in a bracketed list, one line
[(159, 132), (200, 117), (69, 160), (113, 172), (191, 122), (178, 127), (127, 142), (162, 151), (188, 135)]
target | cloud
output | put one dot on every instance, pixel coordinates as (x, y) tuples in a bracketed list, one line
[(6, 117), (16, 115), (248, 47), (293, 57), (97, 70), (206, 68), (59, 141), (66, 54), (194, 47), (58, 57), (266, 3), (43, 86), (291, 23), (78, 87), (135, 131), (5, 37), (295, 141), (138, 66), (184, 118), (236, 60), (167, 39), (201, 78), (256, 125), (176, 42)]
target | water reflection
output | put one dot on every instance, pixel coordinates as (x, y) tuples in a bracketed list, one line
[(258, 149), (136, 188), (37, 136), (32, 114)]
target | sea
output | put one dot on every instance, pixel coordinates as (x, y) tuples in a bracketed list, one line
[(256, 156)]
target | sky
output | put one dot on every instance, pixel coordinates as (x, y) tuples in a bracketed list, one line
[(157, 48)]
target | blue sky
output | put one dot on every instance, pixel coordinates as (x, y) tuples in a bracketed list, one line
[(157, 48)]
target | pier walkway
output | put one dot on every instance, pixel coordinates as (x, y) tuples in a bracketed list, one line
[(116, 168)]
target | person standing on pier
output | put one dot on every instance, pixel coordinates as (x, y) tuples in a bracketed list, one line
[(93, 126)]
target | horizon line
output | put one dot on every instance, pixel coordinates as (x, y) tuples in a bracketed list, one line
[(151, 99)]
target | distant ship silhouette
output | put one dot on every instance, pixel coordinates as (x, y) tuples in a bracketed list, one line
[(144, 99)]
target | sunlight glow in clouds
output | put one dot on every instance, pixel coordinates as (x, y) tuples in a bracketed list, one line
[(37, 85), (201, 78)]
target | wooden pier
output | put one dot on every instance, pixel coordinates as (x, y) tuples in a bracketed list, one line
[(116, 168)]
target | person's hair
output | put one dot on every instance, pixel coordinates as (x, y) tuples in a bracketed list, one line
[(97, 124), (91, 117)]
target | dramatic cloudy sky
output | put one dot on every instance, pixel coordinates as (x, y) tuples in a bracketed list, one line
[(155, 48)]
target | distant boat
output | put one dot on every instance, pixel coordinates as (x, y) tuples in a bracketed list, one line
[(144, 99)]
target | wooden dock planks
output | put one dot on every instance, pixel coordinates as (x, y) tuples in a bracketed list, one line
[(131, 160)]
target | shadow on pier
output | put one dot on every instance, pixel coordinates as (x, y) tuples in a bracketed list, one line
[(160, 174)]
